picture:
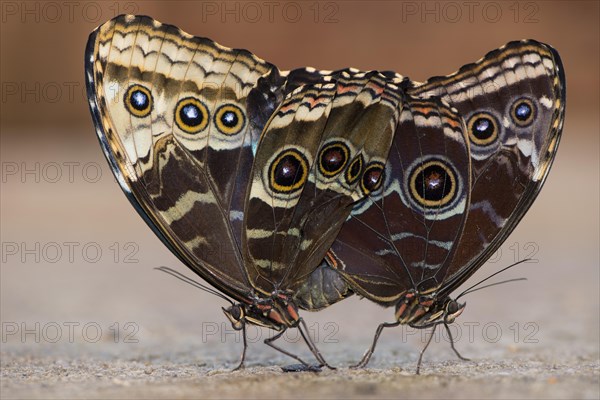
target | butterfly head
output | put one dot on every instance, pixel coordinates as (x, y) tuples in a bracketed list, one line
[(422, 311), (236, 314), (452, 309)]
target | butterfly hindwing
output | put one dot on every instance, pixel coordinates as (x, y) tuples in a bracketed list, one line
[(310, 167), (400, 237), (512, 101)]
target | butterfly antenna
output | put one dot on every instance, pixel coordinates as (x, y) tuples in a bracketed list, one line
[(472, 288), (494, 284), (192, 282)]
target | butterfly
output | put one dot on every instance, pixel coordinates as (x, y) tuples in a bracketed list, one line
[(245, 172), (470, 154)]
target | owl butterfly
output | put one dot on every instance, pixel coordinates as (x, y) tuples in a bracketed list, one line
[(466, 163), (245, 172)]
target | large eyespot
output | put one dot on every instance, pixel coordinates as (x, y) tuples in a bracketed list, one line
[(229, 119), (354, 169), (433, 184), (483, 129), (288, 172), (333, 158), (372, 177), (138, 101), (523, 112), (191, 115)]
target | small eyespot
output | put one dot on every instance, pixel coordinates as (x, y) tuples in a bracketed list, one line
[(191, 115), (433, 184), (288, 172), (483, 129), (333, 158), (354, 169), (372, 177), (138, 101), (523, 112), (229, 119)]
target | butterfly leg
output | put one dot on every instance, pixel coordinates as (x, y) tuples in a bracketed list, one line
[(311, 345), (269, 342), (367, 356), (452, 344), (425, 348), (243, 358)]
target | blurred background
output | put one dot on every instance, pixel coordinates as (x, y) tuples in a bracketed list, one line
[(77, 278)]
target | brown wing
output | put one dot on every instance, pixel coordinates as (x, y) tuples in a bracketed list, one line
[(513, 102), (401, 237)]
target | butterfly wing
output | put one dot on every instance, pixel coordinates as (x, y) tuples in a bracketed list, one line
[(178, 117), (321, 151), (513, 102), (400, 237)]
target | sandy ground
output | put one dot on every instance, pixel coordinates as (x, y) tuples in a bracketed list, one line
[(513, 374)]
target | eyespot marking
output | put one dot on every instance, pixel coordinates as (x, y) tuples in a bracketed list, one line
[(523, 112), (354, 169), (191, 115), (138, 100), (372, 177), (433, 184), (483, 128), (230, 119), (333, 158), (288, 172)]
